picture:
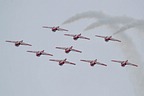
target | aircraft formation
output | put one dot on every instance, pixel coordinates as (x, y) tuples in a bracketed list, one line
[(71, 48)]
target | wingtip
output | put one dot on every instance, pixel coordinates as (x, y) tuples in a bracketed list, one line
[(51, 55), (105, 65), (7, 41), (112, 60), (43, 26), (50, 59), (73, 63)]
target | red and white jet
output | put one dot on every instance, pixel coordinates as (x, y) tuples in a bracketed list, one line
[(76, 36), (68, 49), (61, 62), (18, 43), (54, 29), (107, 38), (39, 53), (124, 63), (93, 62)]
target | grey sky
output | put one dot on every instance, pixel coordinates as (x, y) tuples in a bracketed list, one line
[(24, 74)]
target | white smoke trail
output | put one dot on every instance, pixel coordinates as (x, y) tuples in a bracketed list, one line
[(136, 75), (93, 25), (103, 19), (89, 14), (138, 24), (129, 49), (111, 21)]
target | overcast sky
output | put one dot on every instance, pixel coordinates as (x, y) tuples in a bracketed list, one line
[(24, 74)]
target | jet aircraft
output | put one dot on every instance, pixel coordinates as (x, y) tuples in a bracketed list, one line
[(18, 43), (124, 63), (39, 53), (68, 49), (93, 62), (61, 62)]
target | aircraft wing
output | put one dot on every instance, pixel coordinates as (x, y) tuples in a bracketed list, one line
[(69, 35), (116, 61), (132, 64), (100, 36), (25, 44), (60, 29), (84, 37), (70, 62), (86, 61), (11, 41), (32, 51), (76, 50), (101, 63), (61, 48), (54, 60), (115, 39), (44, 53), (47, 27)]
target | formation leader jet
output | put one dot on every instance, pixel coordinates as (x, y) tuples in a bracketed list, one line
[(39, 53), (76, 36), (68, 49), (61, 62), (54, 29), (18, 43), (107, 38), (93, 62), (124, 63)]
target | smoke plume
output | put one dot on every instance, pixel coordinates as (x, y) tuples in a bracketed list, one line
[(123, 23), (130, 52), (89, 14), (138, 24), (110, 21)]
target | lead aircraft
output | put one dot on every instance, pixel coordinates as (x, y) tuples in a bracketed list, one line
[(54, 29)]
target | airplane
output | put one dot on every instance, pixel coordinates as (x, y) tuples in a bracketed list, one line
[(107, 38), (93, 62), (54, 29), (76, 36), (39, 53), (18, 43), (68, 49), (61, 62), (124, 63)]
